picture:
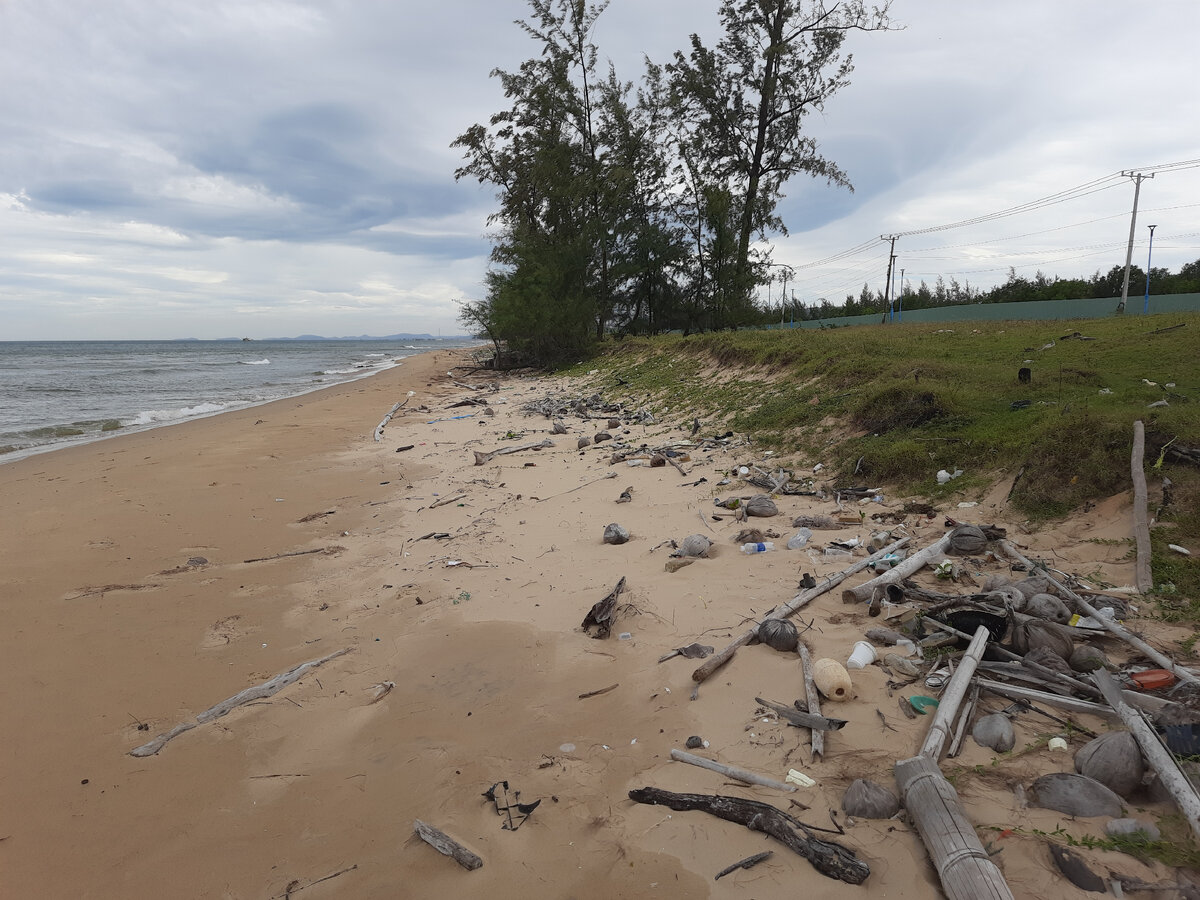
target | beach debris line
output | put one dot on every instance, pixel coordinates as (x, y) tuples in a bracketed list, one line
[(604, 611), (258, 692), (748, 863), (498, 794), (447, 846), (482, 459), (827, 857)]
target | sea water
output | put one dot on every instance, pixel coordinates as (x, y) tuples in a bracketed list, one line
[(57, 393)]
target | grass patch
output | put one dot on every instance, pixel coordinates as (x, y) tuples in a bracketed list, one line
[(891, 405)]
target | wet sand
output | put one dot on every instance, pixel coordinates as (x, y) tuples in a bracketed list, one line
[(130, 606)]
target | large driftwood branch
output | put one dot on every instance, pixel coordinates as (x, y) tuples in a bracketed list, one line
[(1172, 777), (483, 458), (963, 866), (1115, 628), (257, 692), (446, 845), (866, 590), (730, 771), (716, 661), (1141, 528), (391, 412), (828, 858)]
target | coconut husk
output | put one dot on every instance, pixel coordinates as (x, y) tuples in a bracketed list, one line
[(1048, 607), (869, 800), (760, 505), (583, 442), (1075, 795), (1114, 760), (1086, 658), (1031, 634), (825, 523), (1035, 584), (967, 540), (694, 545), (884, 636), (779, 634), (995, 582), (995, 732), (1047, 659)]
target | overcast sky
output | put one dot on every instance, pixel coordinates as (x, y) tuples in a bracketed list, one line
[(267, 168)]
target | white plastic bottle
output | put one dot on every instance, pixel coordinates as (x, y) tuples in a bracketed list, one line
[(760, 547)]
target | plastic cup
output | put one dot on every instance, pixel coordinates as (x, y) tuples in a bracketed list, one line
[(863, 655)]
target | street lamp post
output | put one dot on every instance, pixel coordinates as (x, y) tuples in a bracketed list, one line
[(1149, 254)]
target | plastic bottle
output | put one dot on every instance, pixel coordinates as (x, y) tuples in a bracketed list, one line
[(760, 547), (799, 539)]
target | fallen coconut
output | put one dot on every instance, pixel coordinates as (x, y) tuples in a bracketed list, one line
[(869, 800), (616, 534), (1086, 658), (602, 436), (583, 442), (778, 634), (995, 732), (1075, 795), (966, 540), (1035, 584), (1047, 659), (694, 545), (1048, 607), (1032, 634), (760, 505), (1114, 760), (558, 427)]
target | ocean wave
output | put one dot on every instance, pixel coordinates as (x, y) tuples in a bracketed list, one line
[(157, 416), (255, 362)]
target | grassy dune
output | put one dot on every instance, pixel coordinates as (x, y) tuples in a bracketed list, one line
[(891, 405)]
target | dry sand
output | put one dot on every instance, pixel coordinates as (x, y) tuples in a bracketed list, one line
[(114, 631)]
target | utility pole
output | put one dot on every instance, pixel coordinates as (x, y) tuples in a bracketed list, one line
[(1138, 178), (887, 316), (901, 316)]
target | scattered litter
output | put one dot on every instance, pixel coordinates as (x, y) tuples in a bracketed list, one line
[(798, 778)]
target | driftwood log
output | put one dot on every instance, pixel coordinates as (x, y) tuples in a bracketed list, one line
[(391, 412), (1113, 627), (827, 857), (482, 459), (719, 659), (963, 866), (1172, 777), (730, 771), (446, 845), (258, 692), (813, 698), (865, 592), (1141, 527)]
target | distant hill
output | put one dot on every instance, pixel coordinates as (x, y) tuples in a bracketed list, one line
[(357, 337)]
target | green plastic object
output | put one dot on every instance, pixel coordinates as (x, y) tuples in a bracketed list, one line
[(922, 704)]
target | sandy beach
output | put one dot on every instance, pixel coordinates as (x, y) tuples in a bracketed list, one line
[(150, 576)]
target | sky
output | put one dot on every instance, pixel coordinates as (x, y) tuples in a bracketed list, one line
[(269, 168)]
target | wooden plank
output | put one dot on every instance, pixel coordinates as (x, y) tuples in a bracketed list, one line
[(446, 845)]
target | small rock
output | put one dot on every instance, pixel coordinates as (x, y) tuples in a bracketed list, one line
[(602, 436), (616, 534), (583, 442), (558, 428), (695, 742), (869, 800), (197, 561), (1117, 827)]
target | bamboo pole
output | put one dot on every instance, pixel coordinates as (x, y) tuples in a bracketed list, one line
[(1160, 759), (715, 662), (866, 590), (1141, 528), (1071, 704), (940, 728), (1115, 627)]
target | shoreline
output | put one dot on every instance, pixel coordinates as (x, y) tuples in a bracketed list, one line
[(463, 587)]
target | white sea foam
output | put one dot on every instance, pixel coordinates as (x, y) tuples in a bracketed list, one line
[(158, 416), (255, 362)]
